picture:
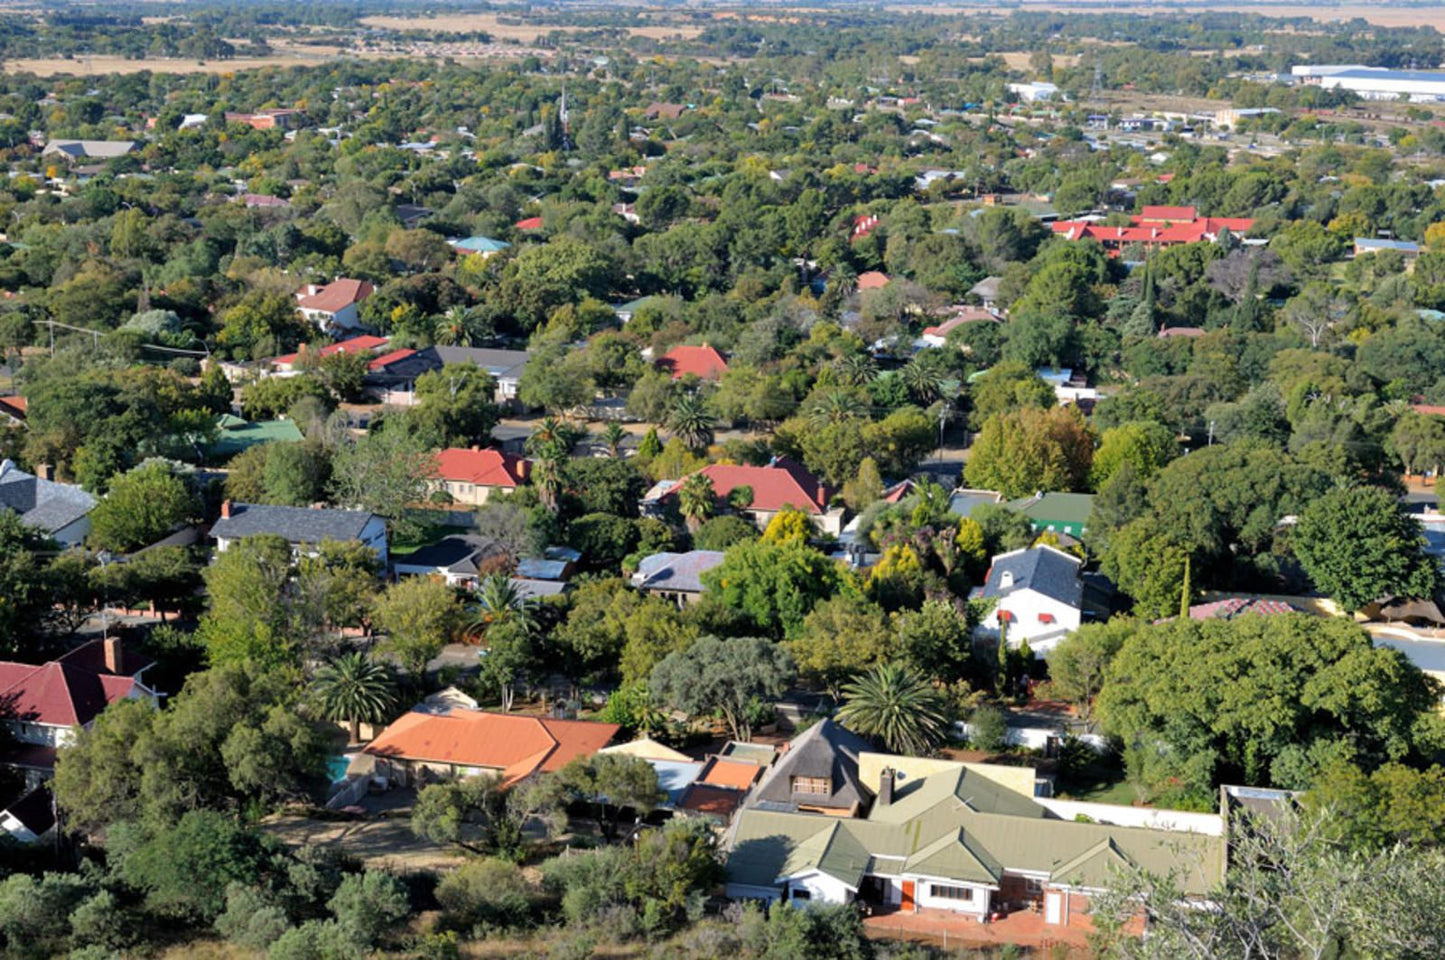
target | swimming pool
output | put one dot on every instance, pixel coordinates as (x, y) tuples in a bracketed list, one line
[(336, 766)]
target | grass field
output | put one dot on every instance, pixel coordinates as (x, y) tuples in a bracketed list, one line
[(522, 32)]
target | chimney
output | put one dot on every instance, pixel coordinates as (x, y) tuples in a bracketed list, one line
[(113, 655), (43, 471), (885, 787), (225, 509), (1006, 579)]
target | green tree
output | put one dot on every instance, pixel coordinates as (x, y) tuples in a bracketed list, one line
[(1358, 546), (1080, 662), (696, 500), (456, 406), (385, 472), (1147, 563), (248, 618), (723, 677), (774, 586), (689, 421), (353, 688), (141, 507), (936, 641), (898, 707), (418, 615), (183, 870), (611, 783), (841, 637), (1030, 450), (1144, 444)]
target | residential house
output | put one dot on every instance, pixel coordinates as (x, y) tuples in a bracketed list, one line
[(1231, 608), (1061, 513), (664, 111), (44, 705), (529, 223), (304, 528), (675, 576), (74, 151), (720, 788), (471, 476), (335, 305), (461, 559), (14, 409), (1364, 245), (816, 773), (421, 746), (704, 362), (962, 839), (782, 483), (59, 510), (294, 362), (872, 280), (275, 118), (484, 247), (625, 311), (963, 500), (391, 378), (1155, 228), (937, 335), (1038, 594), (28, 815)]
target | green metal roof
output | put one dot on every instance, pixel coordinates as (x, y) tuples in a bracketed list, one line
[(1058, 507)]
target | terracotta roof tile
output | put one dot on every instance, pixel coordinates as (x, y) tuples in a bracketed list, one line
[(781, 483), (703, 362), (487, 468), (516, 745), (733, 774), (336, 295)]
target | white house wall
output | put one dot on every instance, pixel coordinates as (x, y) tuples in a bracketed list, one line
[(922, 896), (821, 888)]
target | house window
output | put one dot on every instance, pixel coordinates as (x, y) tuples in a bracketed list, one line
[(944, 891), (1046, 618), (816, 786), (802, 893), (1033, 886)]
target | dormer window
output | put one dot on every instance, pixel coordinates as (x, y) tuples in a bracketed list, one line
[(813, 786)]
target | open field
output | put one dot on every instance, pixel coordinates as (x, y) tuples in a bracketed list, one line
[(523, 32), (1379, 15)]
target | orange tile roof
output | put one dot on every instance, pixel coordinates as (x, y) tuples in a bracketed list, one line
[(705, 798), (336, 295), (703, 362), (487, 468), (873, 280), (782, 483), (518, 746), (732, 774)]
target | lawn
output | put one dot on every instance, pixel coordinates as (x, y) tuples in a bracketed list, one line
[(1100, 781)]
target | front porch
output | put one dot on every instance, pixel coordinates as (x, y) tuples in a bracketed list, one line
[(945, 928)]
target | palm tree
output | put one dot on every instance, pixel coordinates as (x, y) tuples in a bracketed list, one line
[(552, 432), (546, 475), (613, 435), (354, 688), (455, 328), (690, 421), (833, 406), (696, 499), (896, 705), (855, 370), (922, 380), (498, 600)]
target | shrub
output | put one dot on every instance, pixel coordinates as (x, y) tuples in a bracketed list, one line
[(491, 892)]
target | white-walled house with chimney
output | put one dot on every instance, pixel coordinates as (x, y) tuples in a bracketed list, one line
[(1038, 594), (304, 528)]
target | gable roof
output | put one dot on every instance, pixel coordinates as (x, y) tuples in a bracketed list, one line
[(943, 829), (336, 295), (518, 746), (825, 750), (58, 693), (296, 524), (43, 504), (478, 245), (361, 344), (14, 406), (782, 483), (873, 280), (649, 749), (460, 553), (1057, 507), (703, 362), (1042, 569), (483, 467)]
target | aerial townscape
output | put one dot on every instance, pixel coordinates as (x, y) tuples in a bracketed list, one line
[(756, 481)]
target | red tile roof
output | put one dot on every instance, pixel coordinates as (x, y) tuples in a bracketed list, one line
[(706, 798), (487, 468), (336, 295), (783, 483), (873, 280), (962, 316), (530, 223), (703, 362), (362, 344), (1428, 410), (1170, 214), (1156, 232), (864, 223), (14, 406), (516, 745), (58, 693), (1231, 607), (1182, 332), (387, 359)]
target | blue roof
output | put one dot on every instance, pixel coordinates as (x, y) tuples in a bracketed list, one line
[(1418, 76), (674, 776), (480, 245), (676, 571), (1372, 243), (534, 569)]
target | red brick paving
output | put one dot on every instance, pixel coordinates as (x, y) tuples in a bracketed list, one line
[(944, 928)]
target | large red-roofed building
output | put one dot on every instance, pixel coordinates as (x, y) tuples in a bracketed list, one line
[(472, 475), (780, 484), (703, 362), (1156, 227)]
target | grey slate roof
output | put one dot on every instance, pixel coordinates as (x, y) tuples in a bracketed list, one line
[(537, 589), (681, 572), (43, 504), (826, 749), (1041, 569), (459, 553), (535, 569), (502, 364), (296, 524)]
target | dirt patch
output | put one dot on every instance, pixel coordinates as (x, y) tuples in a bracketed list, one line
[(522, 32), (381, 842)]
